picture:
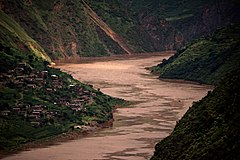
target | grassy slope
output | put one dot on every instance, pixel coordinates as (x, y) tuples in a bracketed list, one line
[(64, 30), (70, 24), (10, 26), (205, 60), (16, 129), (123, 18), (140, 22), (210, 129)]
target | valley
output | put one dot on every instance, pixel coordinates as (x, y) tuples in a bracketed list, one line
[(134, 80), (156, 106)]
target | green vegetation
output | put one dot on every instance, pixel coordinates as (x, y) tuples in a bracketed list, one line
[(154, 25), (10, 27), (33, 107), (210, 129), (64, 29), (37, 101), (205, 60), (122, 17)]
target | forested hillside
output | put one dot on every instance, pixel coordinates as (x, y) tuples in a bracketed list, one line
[(205, 60), (66, 30), (36, 100), (39, 101), (210, 128)]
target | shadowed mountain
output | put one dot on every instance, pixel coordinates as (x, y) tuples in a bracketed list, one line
[(210, 128), (206, 60), (69, 29)]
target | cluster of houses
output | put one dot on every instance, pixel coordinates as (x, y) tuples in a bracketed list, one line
[(36, 79), (84, 97), (24, 77), (31, 113)]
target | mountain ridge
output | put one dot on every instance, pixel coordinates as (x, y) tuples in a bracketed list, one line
[(65, 30), (107, 30), (205, 60), (38, 101), (210, 128), (12, 27)]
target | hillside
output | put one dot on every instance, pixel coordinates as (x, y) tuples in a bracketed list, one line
[(10, 30), (36, 100), (39, 101), (205, 60), (210, 129), (157, 25), (69, 29)]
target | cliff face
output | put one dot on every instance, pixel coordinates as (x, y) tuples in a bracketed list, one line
[(69, 29), (208, 19), (185, 22)]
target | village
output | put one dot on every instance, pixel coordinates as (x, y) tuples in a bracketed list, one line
[(26, 79)]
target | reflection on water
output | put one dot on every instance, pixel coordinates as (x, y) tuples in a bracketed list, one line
[(159, 104)]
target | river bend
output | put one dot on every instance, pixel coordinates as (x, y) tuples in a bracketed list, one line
[(137, 128)]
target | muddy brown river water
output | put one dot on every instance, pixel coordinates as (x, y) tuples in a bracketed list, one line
[(137, 128)]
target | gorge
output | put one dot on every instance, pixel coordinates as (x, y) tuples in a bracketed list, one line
[(156, 106), (67, 66)]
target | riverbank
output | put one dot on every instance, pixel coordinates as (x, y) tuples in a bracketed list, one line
[(175, 80), (136, 128), (55, 140), (112, 57)]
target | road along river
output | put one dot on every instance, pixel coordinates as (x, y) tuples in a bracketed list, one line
[(136, 129)]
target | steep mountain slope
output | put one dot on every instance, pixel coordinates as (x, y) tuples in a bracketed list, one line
[(210, 129), (155, 25), (63, 28), (37, 101), (205, 60), (10, 27), (115, 37), (66, 30)]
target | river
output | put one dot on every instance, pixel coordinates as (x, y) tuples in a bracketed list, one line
[(158, 104)]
